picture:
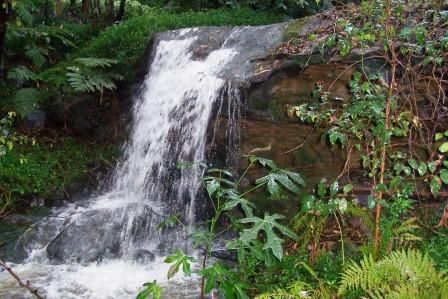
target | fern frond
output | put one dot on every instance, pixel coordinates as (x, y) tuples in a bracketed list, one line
[(398, 275), (24, 10), (37, 55), (21, 73), (26, 100), (91, 62)]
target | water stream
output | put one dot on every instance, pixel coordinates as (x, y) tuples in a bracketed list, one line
[(108, 246)]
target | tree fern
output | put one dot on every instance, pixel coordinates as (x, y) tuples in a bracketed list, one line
[(401, 274)]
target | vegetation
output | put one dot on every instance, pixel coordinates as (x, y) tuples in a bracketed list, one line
[(53, 53), (382, 114), (392, 128)]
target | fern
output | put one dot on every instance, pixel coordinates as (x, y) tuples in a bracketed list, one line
[(95, 62), (37, 55), (90, 75), (26, 100), (22, 73), (24, 10), (401, 274)]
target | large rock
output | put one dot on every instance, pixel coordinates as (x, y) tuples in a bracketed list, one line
[(97, 234)]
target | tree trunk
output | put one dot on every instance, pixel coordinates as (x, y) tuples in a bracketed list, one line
[(58, 7), (121, 11), (109, 5), (86, 8), (5, 7)]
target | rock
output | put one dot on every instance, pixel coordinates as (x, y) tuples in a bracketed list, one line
[(225, 254), (96, 234), (35, 120), (142, 256)]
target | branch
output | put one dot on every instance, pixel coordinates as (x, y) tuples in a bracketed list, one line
[(26, 284)]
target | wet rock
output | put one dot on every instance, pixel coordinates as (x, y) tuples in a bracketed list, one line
[(143, 256), (225, 254), (97, 234), (35, 120)]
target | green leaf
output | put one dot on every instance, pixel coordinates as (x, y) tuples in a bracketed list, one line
[(371, 202), (263, 162), (334, 188), (413, 163), (233, 199), (321, 188), (212, 186), (267, 225), (422, 168), (150, 288), (432, 166), (273, 181), (435, 185), (439, 136), (444, 147), (347, 188), (179, 259), (444, 175)]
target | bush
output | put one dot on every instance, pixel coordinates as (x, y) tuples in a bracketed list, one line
[(39, 170), (127, 41)]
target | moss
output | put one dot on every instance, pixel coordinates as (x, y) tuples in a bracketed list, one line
[(293, 28)]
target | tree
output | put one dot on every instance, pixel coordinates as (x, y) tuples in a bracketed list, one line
[(109, 4), (58, 8), (121, 10), (5, 9), (85, 8)]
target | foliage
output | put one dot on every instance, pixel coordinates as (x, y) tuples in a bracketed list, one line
[(260, 238), (126, 42), (45, 168), (150, 289), (401, 274)]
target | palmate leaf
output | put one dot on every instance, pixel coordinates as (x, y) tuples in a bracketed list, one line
[(269, 226), (274, 180), (234, 199), (220, 276), (150, 289), (262, 161), (179, 259)]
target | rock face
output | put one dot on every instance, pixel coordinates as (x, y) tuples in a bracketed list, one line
[(279, 80)]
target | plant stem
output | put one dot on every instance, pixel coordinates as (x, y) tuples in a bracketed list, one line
[(391, 45), (250, 190)]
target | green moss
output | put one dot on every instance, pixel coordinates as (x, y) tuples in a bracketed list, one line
[(293, 28), (42, 169)]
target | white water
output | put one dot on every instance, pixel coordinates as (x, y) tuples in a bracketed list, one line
[(170, 119), (93, 241)]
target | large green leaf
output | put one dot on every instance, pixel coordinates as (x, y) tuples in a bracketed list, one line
[(287, 179), (151, 289), (179, 259), (234, 199), (269, 226)]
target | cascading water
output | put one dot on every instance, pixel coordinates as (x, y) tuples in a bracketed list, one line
[(104, 247)]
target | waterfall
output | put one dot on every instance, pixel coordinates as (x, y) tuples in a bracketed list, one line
[(107, 246)]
